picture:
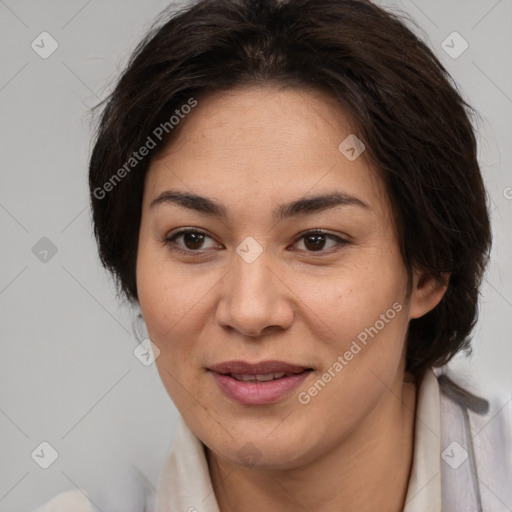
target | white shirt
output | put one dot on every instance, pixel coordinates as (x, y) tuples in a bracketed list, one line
[(424, 491), (185, 485)]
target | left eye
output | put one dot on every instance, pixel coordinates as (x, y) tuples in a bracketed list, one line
[(315, 241)]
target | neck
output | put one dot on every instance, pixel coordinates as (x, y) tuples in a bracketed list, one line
[(368, 471)]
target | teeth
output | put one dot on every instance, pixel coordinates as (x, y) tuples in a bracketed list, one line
[(260, 378)]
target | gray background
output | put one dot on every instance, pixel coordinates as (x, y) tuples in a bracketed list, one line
[(69, 375)]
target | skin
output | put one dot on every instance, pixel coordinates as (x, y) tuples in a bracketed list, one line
[(251, 149)]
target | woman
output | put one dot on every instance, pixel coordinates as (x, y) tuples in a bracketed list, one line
[(290, 192)]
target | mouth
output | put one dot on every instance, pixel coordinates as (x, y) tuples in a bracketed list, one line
[(243, 377), (260, 383)]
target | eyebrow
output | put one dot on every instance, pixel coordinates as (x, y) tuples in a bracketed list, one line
[(302, 206)]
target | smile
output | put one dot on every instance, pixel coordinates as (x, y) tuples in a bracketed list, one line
[(261, 378), (260, 383)]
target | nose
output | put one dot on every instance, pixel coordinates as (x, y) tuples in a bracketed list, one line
[(255, 301)]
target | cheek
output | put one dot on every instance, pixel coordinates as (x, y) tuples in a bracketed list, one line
[(367, 320), (356, 299), (171, 324), (174, 305), (161, 301), (165, 293)]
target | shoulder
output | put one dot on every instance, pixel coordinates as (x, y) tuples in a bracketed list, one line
[(76, 500), (476, 438), (487, 411), (126, 488), (477, 399)]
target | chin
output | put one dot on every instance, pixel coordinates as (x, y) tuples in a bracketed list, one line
[(263, 451)]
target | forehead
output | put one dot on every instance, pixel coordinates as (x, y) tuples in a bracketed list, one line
[(262, 142), (248, 118)]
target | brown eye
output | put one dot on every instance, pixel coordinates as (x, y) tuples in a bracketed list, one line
[(315, 241), (192, 241)]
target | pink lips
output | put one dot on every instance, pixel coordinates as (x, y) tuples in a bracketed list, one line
[(258, 392)]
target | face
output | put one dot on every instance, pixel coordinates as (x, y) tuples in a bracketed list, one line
[(274, 267)]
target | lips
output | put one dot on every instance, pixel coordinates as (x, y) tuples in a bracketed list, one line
[(259, 383), (262, 368)]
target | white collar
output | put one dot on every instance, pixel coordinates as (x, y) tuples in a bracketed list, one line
[(184, 483), (424, 492)]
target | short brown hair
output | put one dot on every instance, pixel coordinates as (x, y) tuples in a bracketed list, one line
[(405, 106)]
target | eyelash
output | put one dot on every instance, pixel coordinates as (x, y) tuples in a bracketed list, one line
[(169, 241)]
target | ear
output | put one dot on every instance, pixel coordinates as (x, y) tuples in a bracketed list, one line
[(427, 292)]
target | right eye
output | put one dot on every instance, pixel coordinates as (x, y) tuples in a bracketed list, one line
[(192, 241)]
